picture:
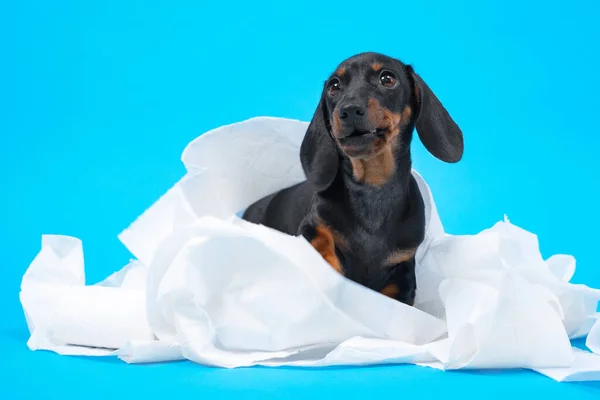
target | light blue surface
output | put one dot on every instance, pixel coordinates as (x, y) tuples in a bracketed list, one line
[(99, 98)]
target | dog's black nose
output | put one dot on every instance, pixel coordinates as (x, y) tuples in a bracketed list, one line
[(352, 111)]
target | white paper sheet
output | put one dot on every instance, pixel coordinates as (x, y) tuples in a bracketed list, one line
[(68, 317), (211, 288)]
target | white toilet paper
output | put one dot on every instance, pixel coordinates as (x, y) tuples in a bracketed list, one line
[(63, 314), (224, 292)]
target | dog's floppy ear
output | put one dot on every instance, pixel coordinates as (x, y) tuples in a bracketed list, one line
[(318, 151), (438, 132)]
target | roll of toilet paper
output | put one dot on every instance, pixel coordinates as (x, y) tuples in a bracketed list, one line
[(66, 316), (97, 316)]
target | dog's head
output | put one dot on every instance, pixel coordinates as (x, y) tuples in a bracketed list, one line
[(370, 104)]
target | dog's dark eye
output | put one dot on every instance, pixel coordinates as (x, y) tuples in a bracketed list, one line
[(334, 87), (387, 79)]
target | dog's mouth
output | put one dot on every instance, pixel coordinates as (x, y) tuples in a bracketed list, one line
[(357, 134), (356, 138), (361, 143)]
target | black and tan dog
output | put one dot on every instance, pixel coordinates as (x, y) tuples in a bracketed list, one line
[(360, 206)]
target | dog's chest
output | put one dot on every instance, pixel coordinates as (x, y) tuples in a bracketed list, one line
[(364, 256), (370, 256), (377, 231)]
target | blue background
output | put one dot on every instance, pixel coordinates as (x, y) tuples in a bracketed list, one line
[(99, 98)]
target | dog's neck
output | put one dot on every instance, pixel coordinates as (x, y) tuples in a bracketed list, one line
[(376, 190)]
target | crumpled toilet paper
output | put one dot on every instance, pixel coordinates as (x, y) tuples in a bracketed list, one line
[(209, 287)]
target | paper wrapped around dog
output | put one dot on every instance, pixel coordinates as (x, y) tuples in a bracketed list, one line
[(211, 288)]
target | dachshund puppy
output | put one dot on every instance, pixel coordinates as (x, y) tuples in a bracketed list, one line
[(360, 206)]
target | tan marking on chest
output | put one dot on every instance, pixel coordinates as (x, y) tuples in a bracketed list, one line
[(400, 256), (324, 243), (375, 171), (391, 290)]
